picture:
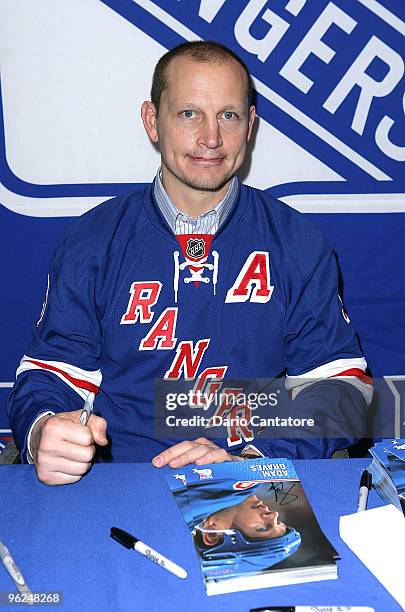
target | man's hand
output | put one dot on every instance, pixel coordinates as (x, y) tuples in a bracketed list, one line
[(63, 449), (198, 451)]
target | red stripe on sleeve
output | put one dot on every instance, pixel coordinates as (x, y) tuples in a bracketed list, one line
[(82, 384), (357, 373)]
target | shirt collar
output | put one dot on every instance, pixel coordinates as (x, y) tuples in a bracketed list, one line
[(209, 222)]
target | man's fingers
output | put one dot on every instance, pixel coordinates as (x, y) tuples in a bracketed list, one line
[(172, 453), (217, 455), (200, 456), (189, 456), (56, 478), (65, 449), (66, 466), (52, 451), (58, 470), (66, 457), (98, 427), (59, 427), (67, 426), (198, 451)]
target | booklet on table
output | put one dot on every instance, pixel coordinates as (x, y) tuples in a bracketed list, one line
[(252, 525)]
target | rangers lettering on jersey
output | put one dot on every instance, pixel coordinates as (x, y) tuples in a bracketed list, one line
[(161, 336), (143, 296), (187, 359)]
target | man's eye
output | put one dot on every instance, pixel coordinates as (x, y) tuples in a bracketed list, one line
[(188, 114), (229, 115)]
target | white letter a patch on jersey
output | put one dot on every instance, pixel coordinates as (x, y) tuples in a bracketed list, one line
[(253, 282)]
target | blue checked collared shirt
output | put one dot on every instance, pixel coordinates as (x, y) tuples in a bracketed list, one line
[(207, 223)]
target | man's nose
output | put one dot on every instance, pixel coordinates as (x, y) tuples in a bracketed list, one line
[(210, 134), (270, 516)]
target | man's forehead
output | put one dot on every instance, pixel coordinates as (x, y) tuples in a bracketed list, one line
[(186, 75)]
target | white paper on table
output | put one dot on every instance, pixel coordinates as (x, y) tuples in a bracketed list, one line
[(377, 537)]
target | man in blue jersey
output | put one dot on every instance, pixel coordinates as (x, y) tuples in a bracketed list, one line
[(235, 527), (121, 309), (252, 517)]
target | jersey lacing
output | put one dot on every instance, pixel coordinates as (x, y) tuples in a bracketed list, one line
[(196, 275)]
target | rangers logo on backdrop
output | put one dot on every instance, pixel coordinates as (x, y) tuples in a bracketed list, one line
[(329, 77), (334, 67)]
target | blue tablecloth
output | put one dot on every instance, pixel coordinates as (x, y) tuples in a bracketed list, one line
[(59, 537)]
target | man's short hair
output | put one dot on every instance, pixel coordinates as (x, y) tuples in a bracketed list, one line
[(204, 51)]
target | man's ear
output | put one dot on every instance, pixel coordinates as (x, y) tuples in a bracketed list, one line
[(149, 118), (211, 539), (251, 120)]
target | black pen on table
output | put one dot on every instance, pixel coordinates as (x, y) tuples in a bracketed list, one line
[(87, 409), (130, 541), (313, 609), (365, 486)]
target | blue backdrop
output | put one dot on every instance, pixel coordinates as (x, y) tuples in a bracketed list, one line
[(329, 78)]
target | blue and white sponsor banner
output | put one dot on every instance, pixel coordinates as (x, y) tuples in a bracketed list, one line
[(330, 139)]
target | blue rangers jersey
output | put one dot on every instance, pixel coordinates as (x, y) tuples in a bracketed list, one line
[(129, 302)]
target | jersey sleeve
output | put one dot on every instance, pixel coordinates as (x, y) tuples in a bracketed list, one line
[(338, 410), (320, 342), (325, 368), (61, 365)]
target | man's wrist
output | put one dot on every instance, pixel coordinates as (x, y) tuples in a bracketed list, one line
[(33, 434)]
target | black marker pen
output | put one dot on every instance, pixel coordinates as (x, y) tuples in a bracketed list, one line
[(365, 486), (130, 541)]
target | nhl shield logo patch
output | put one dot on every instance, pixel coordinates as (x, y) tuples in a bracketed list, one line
[(195, 248)]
